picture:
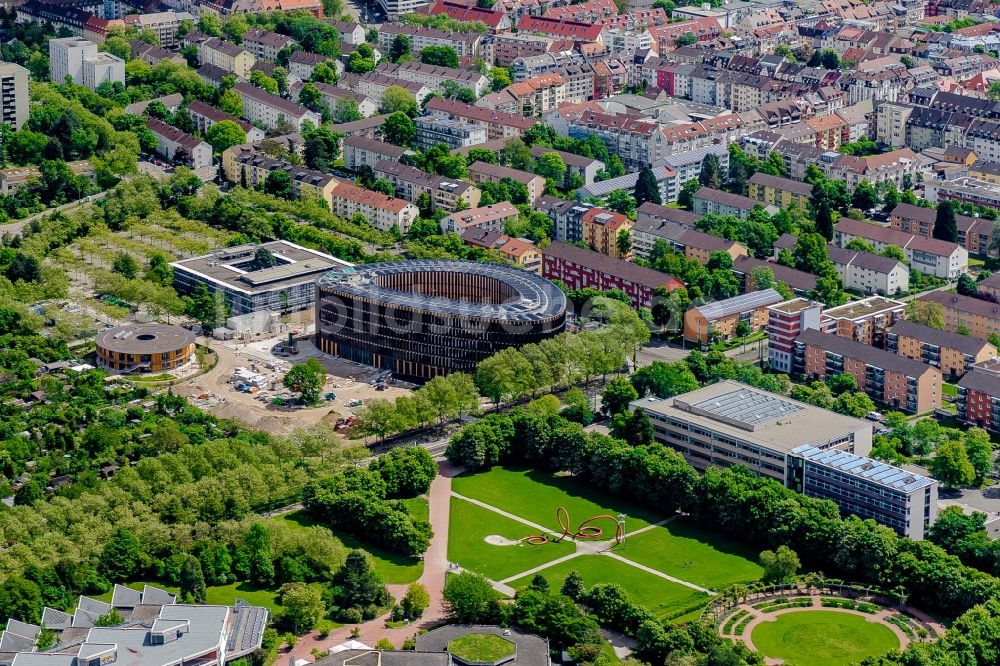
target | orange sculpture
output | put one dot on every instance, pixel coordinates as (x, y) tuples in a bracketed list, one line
[(584, 531)]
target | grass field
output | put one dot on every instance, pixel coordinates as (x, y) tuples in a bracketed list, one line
[(715, 560), (392, 566), (535, 496), (656, 594), (219, 595), (822, 638), (471, 524)]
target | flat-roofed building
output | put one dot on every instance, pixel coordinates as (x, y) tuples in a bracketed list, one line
[(720, 319), (729, 423), (785, 321), (860, 486), (287, 286), (895, 381), (14, 95), (864, 321), (951, 352)]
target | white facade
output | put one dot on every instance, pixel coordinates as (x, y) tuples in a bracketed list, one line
[(14, 94), (103, 67), (79, 60)]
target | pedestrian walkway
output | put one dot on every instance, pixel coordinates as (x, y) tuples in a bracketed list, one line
[(656, 572)]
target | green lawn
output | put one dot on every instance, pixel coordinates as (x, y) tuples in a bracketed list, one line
[(715, 560), (822, 638), (949, 389), (656, 594), (481, 648), (471, 524), (219, 595), (536, 496), (392, 566)]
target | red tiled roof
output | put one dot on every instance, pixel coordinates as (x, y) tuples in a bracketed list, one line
[(463, 13), (558, 28)]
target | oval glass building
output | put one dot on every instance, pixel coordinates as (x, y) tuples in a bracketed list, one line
[(424, 318)]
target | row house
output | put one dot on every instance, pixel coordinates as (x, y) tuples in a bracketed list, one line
[(591, 11), (465, 44), (447, 194), (974, 234), (229, 7), (559, 28), (585, 269), (433, 76), (925, 255), (898, 382), (204, 116), (498, 124), (952, 352)]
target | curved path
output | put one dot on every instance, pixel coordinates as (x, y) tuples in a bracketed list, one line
[(433, 578)]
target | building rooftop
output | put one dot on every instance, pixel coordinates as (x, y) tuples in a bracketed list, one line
[(794, 278), (726, 198), (144, 339), (867, 354), (867, 469), (868, 307), (969, 304), (795, 305), (625, 270), (758, 417), (784, 184), (664, 214), (737, 304), (232, 267), (963, 343), (371, 198), (292, 109), (983, 378), (497, 171)]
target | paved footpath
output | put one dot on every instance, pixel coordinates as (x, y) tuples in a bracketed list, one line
[(433, 578)]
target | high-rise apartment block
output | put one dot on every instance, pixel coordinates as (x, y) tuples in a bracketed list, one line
[(14, 95), (79, 60)]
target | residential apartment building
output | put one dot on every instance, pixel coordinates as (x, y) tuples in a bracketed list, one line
[(978, 399), (566, 216), (260, 106), (898, 382), (974, 234), (410, 183), (729, 423), (433, 76), (254, 168), (785, 322), (586, 168), (869, 273), (680, 237), (360, 151), (579, 269), (637, 143), (497, 22), (264, 44), (14, 94), (925, 255), (230, 57), (718, 320), (951, 352), (204, 116), (517, 251), (374, 85), (163, 24), (465, 43), (13, 179), (979, 317), (667, 183), (80, 60), (867, 488), (780, 192), (865, 321), (483, 172), (331, 95), (534, 97), (498, 124), (152, 54), (179, 146), (492, 218), (602, 230), (800, 282), (708, 201), (432, 130), (382, 212)]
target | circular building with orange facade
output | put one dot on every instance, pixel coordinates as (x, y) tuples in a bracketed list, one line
[(143, 348)]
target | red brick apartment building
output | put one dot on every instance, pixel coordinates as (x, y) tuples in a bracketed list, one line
[(895, 381), (578, 269)]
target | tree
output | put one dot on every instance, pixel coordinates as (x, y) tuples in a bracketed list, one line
[(259, 559), (646, 187), (779, 565), (617, 395), (122, 556), (279, 183), (400, 47), (945, 226), (110, 619), (687, 39), (622, 202), (711, 172), (306, 379), (980, 452), (810, 252), (415, 601), (966, 285), (664, 380), (209, 309), (20, 599), (551, 167), (399, 130), (951, 465), (345, 109), (572, 586), (893, 252), (634, 428), (442, 56), (224, 134), (192, 581), (231, 102), (361, 60), (397, 99), (407, 471), (470, 599), (623, 242), (304, 605), (825, 221), (499, 78), (865, 196), (125, 265)]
